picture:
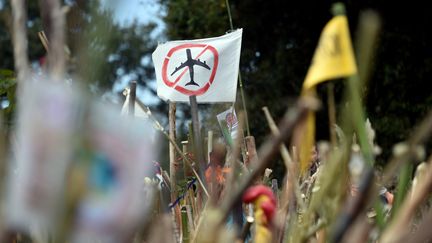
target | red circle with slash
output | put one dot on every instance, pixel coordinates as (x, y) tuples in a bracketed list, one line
[(183, 90)]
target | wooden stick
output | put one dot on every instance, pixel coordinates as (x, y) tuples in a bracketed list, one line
[(201, 164), (186, 168), (159, 127), (44, 40), (172, 154), (275, 131), (353, 207), (19, 36), (173, 167), (132, 98)]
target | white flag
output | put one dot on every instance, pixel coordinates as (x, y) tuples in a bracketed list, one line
[(207, 68)]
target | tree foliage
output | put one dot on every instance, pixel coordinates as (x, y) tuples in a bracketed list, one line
[(102, 49), (278, 43)]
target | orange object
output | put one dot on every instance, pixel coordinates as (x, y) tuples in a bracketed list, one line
[(219, 174)]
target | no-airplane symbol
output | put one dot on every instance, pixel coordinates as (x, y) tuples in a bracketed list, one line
[(173, 74)]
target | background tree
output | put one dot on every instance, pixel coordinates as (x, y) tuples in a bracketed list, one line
[(102, 50), (278, 43)]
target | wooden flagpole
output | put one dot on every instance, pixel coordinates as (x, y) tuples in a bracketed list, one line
[(199, 156), (174, 167)]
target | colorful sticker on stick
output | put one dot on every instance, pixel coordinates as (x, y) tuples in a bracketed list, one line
[(229, 125)]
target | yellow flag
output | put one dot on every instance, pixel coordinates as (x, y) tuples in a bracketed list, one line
[(334, 57)]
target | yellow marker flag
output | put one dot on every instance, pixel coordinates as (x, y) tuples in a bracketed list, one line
[(333, 58)]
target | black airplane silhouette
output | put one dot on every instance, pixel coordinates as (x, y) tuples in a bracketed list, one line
[(190, 62)]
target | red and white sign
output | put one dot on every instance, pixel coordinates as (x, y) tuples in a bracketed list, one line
[(206, 68)]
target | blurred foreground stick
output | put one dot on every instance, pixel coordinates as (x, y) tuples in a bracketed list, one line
[(354, 206), (270, 149)]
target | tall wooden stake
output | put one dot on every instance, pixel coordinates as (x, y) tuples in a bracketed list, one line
[(172, 154), (201, 163), (173, 167), (132, 98), (200, 160)]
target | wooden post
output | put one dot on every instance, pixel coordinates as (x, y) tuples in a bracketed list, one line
[(173, 166), (172, 154), (201, 164), (132, 98), (199, 156)]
